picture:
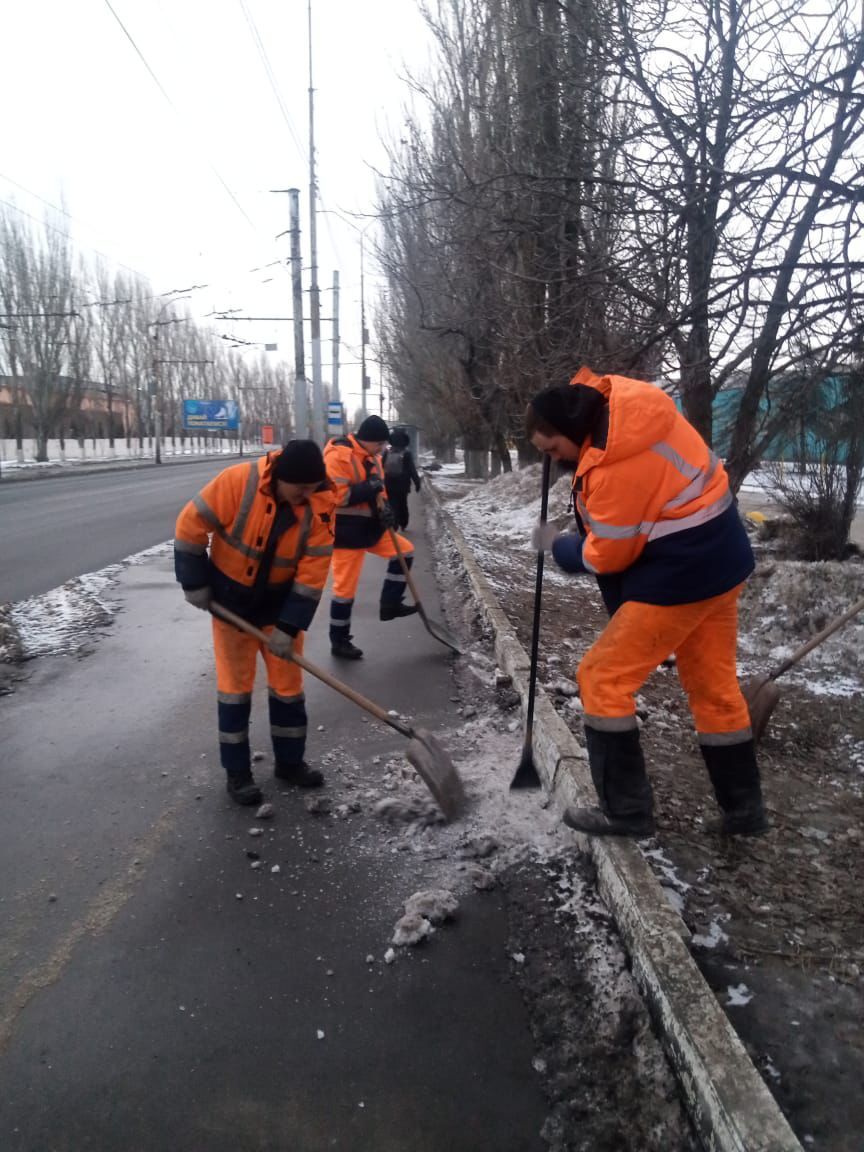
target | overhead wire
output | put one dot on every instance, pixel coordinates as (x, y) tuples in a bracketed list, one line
[(268, 68), (303, 151), (176, 111)]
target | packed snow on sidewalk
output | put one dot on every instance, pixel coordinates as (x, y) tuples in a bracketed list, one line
[(65, 620)]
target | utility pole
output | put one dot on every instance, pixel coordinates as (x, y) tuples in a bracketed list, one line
[(155, 389), (301, 414), (364, 379), (334, 394), (314, 294)]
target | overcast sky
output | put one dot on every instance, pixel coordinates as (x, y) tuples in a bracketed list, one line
[(179, 190)]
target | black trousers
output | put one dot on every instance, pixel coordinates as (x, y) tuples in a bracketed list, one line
[(398, 498)]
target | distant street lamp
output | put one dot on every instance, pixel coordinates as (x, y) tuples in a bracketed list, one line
[(155, 390)]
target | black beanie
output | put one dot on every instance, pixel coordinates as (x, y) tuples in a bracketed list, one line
[(571, 409), (373, 429), (300, 462)]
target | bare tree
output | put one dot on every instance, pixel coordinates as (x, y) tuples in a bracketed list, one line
[(746, 122), (37, 288)]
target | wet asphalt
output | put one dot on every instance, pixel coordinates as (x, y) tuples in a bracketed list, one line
[(156, 992)]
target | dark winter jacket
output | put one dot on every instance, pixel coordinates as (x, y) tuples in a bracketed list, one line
[(400, 472), (359, 482)]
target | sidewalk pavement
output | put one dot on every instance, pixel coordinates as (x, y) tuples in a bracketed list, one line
[(729, 1104)]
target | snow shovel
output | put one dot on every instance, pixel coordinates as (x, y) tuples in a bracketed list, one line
[(527, 775), (432, 627), (424, 750), (761, 692)]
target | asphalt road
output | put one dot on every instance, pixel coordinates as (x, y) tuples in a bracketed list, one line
[(155, 991), (56, 528)]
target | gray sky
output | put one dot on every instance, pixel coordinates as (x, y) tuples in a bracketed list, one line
[(144, 180)]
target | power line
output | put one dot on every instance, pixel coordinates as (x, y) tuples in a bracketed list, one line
[(45, 224), (176, 111), (265, 60), (304, 155)]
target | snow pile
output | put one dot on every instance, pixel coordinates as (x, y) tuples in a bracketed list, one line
[(423, 911), (508, 507), (787, 607), (65, 619)]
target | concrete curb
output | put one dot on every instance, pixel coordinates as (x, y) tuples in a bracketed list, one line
[(728, 1102)]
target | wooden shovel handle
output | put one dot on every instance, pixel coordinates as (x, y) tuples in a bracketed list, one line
[(361, 701), (816, 640), (408, 577)]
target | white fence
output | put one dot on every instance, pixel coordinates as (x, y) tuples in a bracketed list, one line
[(100, 450)]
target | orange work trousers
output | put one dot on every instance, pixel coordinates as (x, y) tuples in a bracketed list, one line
[(704, 638), (348, 564), (236, 655)]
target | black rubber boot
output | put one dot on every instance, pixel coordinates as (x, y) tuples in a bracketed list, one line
[(618, 771), (734, 776), (300, 775), (393, 609), (345, 650), (243, 790)]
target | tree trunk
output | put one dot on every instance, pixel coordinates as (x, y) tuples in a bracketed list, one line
[(110, 402), (477, 463), (501, 454), (526, 453)]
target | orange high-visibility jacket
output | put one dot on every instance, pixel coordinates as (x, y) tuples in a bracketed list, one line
[(655, 502), (359, 479), (237, 513)]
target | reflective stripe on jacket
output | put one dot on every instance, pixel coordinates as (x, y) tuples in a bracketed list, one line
[(655, 501), (350, 468), (236, 513)]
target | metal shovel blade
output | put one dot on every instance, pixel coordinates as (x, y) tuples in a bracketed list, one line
[(762, 696), (440, 633), (426, 753)]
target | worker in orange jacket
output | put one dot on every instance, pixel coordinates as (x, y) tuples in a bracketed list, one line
[(269, 527), (658, 525), (363, 520)]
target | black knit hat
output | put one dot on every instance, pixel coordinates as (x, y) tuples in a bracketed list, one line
[(571, 409), (300, 462), (373, 429)]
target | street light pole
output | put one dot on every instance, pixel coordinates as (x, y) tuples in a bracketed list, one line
[(155, 390), (363, 337), (318, 422)]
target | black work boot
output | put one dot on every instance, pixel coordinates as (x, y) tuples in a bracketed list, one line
[(300, 775), (243, 790), (735, 778), (618, 771), (393, 609), (345, 650)]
